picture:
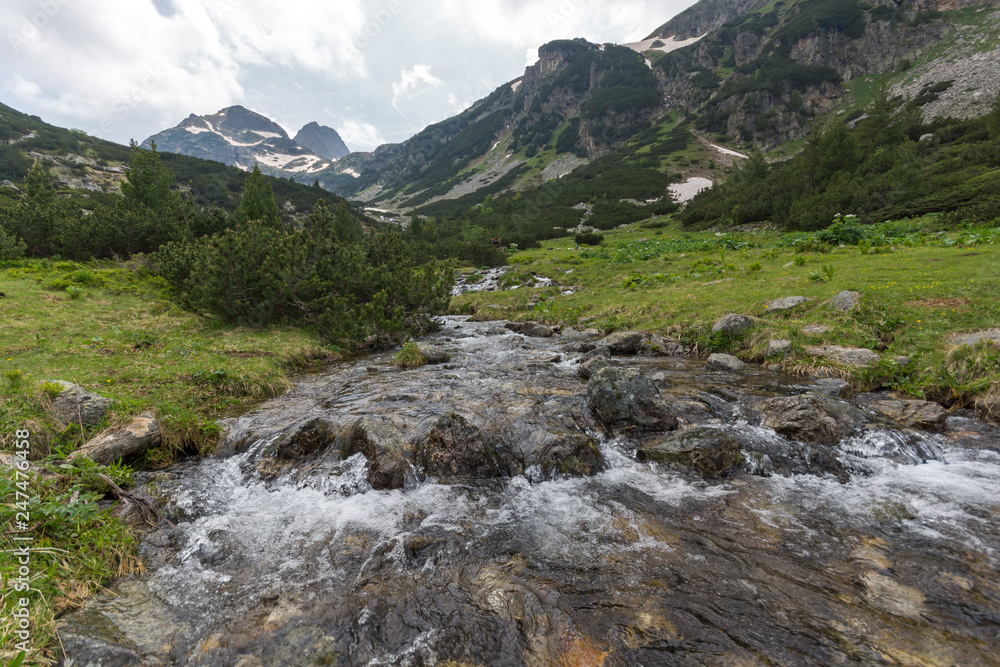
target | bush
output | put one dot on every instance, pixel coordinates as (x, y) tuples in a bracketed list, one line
[(369, 294), (11, 247), (844, 231), (590, 238)]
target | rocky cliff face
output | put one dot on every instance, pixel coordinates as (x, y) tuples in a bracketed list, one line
[(241, 138), (759, 72), (704, 17), (592, 97)]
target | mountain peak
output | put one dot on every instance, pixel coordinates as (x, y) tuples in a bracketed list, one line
[(322, 140), (241, 138)]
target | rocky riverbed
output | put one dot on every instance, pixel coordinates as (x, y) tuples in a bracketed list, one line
[(549, 497)]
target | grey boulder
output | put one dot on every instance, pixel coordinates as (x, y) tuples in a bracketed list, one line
[(624, 400), (76, 405)]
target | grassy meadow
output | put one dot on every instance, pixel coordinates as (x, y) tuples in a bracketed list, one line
[(918, 287)]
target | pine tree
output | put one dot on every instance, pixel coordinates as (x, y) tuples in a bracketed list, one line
[(258, 201), (148, 184)]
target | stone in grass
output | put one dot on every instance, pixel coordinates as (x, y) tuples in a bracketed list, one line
[(815, 329), (732, 325), (992, 336), (126, 445), (781, 305), (76, 405), (845, 301), (779, 348), (724, 362), (707, 450)]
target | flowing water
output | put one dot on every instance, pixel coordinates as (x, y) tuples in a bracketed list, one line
[(633, 565)]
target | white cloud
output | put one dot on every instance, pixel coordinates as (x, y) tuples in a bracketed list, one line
[(410, 81), (130, 68), (359, 135), (23, 88)]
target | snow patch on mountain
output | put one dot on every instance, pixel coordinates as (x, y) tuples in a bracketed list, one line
[(663, 44)]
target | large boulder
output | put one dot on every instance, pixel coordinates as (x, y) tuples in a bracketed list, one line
[(778, 348), (571, 335), (386, 449), (835, 387), (804, 417), (625, 342), (845, 301), (536, 330), (788, 303), (709, 451), (531, 329), (451, 449), (128, 445), (76, 405), (623, 399), (724, 362), (733, 325)]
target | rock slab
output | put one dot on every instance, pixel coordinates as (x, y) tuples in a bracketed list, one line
[(917, 414), (849, 356)]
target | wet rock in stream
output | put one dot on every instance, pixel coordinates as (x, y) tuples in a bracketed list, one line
[(452, 449), (624, 399), (712, 453)]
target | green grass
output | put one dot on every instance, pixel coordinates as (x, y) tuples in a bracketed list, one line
[(677, 283), (111, 329), (409, 357), (121, 337)]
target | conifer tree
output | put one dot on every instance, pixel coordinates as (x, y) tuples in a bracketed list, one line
[(258, 201), (148, 184)]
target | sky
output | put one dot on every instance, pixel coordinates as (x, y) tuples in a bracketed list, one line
[(377, 71)]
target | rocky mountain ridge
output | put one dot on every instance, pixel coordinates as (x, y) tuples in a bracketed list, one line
[(750, 72), (241, 138)]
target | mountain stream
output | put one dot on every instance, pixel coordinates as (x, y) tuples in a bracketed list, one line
[(888, 554)]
